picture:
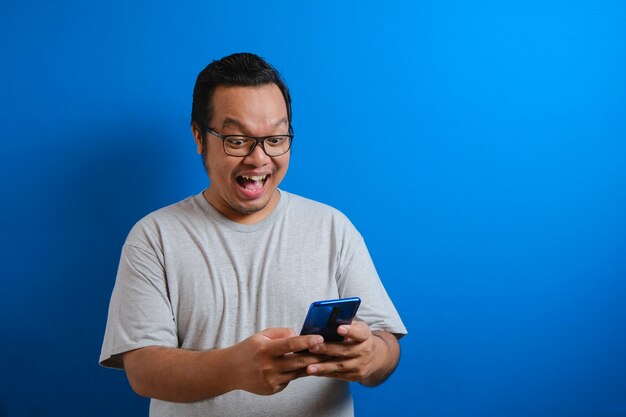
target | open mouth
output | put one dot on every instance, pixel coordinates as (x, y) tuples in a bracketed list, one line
[(252, 184)]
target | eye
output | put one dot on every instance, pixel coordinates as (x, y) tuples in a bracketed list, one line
[(276, 140), (236, 141)]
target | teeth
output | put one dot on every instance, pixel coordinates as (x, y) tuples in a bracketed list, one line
[(255, 177)]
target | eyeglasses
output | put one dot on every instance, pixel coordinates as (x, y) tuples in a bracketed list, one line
[(239, 145)]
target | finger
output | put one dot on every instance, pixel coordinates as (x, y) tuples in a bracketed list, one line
[(278, 333), (358, 331), (337, 367), (344, 376), (287, 377), (281, 347), (342, 349), (297, 361)]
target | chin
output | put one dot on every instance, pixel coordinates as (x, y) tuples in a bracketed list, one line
[(251, 207)]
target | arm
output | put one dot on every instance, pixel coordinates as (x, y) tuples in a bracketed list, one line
[(366, 357), (261, 364)]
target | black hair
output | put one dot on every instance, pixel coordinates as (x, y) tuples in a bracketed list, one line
[(240, 69)]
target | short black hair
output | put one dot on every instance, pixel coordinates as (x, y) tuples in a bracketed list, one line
[(240, 69)]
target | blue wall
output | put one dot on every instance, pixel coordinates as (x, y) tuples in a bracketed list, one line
[(499, 227)]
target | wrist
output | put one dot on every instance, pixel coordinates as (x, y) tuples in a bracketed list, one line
[(382, 353), (226, 361)]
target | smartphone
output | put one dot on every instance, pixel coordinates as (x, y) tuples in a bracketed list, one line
[(325, 316)]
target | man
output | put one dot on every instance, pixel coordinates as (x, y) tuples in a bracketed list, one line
[(210, 290)]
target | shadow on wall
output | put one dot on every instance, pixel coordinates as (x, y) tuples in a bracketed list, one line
[(81, 195)]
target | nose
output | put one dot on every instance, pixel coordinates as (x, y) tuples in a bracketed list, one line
[(258, 157)]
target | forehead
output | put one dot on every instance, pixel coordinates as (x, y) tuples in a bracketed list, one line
[(248, 105)]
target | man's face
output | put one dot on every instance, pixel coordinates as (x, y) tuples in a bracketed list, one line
[(244, 188)]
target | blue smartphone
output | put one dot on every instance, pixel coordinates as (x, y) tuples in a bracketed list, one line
[(325, 316)]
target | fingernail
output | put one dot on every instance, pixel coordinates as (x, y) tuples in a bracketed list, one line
[(318, 340), (313, 369), (342, 330)]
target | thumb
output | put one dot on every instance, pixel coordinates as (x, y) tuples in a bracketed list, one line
[(278, 333)]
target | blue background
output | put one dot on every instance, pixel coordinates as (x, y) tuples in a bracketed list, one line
[(498, 227)]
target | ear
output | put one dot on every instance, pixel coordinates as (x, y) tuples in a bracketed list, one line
[(197, 137)]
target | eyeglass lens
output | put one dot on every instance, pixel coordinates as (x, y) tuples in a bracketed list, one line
[(242, 145)]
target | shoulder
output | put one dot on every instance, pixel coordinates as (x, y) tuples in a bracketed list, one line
[(189, 207), (306, 206), (318, 215), (170, 217)]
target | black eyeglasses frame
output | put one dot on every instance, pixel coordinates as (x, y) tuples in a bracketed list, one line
[(258, 140)]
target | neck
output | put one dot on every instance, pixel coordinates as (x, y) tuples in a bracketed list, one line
[(251, 217)]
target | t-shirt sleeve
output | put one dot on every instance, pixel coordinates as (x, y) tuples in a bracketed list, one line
[(140, 312), (357, 277)]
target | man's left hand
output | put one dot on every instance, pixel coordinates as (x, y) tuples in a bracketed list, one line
[(365, 357)]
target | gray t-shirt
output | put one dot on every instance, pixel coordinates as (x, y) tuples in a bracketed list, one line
[(190, 278)]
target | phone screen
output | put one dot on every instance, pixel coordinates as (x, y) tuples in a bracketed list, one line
[(325, 316)]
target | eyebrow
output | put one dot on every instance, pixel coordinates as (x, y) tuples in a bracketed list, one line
[(229, 121)]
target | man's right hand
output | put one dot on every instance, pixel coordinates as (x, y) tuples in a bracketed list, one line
[(262, 364), (265, 363)]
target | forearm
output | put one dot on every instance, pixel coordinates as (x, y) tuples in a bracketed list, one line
[(262, 364), (179, 375), (387, 356)]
